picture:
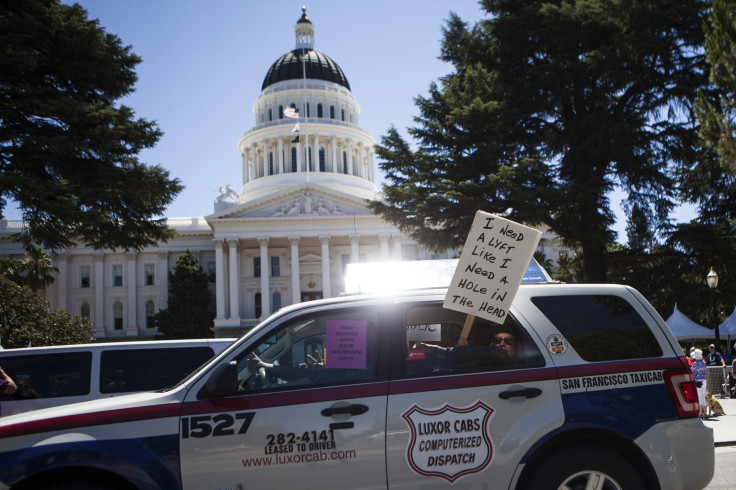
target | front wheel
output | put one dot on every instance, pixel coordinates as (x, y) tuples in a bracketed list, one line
[(584, 467)]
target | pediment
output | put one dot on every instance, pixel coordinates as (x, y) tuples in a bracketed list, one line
[(298, 202), (310, 258)]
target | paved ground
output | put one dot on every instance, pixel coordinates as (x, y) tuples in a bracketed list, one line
[(724, 427)]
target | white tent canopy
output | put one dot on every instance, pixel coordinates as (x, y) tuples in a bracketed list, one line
[(686, 329), (728, 327)]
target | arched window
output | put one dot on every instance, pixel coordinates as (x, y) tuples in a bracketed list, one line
[(84, 311), (258, 305), (332, 112), (150, 311), (276, 301), (344, 163), (270, 114), (321, 159), (293, 159), (117, 313), (342, 114), (319, 110), (270, 163)]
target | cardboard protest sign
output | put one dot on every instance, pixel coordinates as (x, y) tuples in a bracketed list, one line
[(494, 259)]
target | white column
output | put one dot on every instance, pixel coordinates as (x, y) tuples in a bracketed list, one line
[(234, 275), (264, 149), (280, 157), (361, 161), (265, 273), (132, 327), (397, 247), (296, 290), (354, 254), (220, 279), (326, 282), (335, 161), (62, 281), (163, 273), (253, 168), (99, 292), (315, 154), (383, 239), (244, 166), (299, 156), (350, 158)]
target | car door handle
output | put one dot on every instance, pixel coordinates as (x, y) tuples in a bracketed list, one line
[(356, 409), (526, 393)]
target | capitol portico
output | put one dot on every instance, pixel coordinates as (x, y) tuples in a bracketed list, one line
[(299, 217)]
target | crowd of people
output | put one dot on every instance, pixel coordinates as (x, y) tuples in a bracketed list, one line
[(699, 365)]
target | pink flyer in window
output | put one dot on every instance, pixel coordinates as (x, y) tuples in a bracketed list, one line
[(346, 344)]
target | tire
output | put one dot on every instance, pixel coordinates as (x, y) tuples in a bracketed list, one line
[(584, 466)]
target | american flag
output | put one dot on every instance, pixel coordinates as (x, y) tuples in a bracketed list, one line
[(291, 113)]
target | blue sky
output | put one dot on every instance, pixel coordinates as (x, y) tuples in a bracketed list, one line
[(204, 63)]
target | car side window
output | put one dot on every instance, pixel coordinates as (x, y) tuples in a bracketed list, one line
[(50, 375), (432, 344), (318, 349), (128, 370), (600, 327)]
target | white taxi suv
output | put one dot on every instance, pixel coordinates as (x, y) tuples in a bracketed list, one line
[(582, 386)]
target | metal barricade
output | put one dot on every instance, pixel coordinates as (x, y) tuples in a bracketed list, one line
[(715, 377)]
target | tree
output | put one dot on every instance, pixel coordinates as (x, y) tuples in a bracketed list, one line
[(26, 318), (37, 270), (710, 239), (639, 233), (550, 106), (68, 149), (34, 270), (188, 314)]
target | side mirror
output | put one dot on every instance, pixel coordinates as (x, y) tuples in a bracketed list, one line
[(222, 382)]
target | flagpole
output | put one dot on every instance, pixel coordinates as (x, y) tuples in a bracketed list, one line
[(306, 114)]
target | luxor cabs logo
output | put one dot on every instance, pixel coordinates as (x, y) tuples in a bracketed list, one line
[(449, 442)]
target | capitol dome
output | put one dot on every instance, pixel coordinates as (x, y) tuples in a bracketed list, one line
[(304, 59), (307, 128), (318, 66)]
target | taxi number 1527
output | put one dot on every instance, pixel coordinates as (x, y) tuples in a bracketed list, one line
[(223, 424)]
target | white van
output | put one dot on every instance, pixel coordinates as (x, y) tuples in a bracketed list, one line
[(58, 375)]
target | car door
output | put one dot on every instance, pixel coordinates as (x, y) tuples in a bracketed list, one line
[(466, 415), (308, 408)]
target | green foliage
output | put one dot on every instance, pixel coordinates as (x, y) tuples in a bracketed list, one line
[(550, 106), (569, 268), (188, 315), (34, 270), (37, 269), (68, 149), (717, 114), (639, 233), (27, 318), (710, 239)]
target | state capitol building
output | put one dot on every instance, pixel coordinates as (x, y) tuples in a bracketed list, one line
[(286, 236)]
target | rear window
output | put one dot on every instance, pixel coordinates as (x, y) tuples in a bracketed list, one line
[(600, 328), (148, 369), (46, 375)]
